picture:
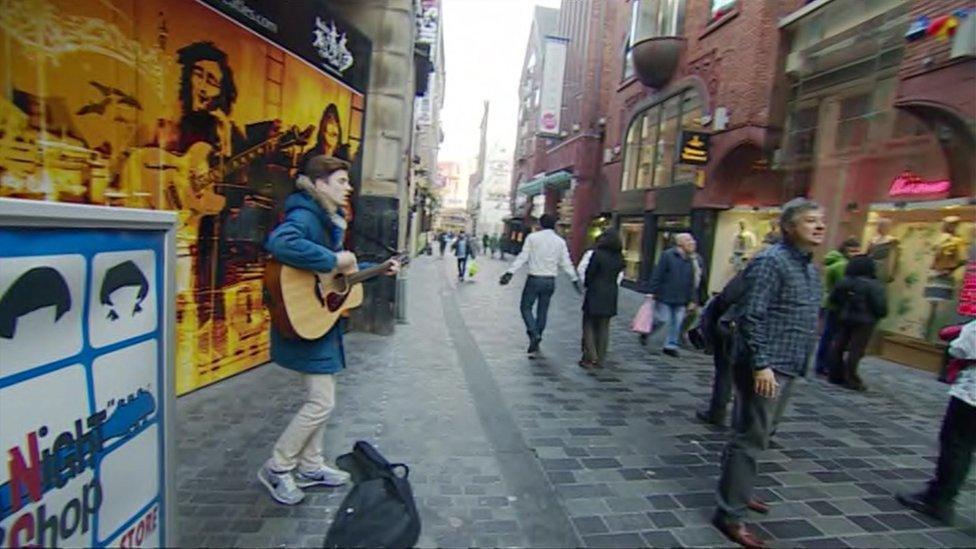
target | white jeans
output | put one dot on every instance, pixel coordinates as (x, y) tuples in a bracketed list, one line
[(301, 443)]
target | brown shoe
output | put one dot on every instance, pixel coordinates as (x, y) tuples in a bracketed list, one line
[(738, 533), (758, 506)]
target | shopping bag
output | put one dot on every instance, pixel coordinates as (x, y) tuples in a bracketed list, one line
[(643, 322), (472, 268)]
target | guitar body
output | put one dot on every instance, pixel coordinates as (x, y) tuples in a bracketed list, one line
[(174, 182), (306, 304)]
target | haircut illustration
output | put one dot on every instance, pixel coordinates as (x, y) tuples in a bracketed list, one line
[(37, 288), (120, 276)]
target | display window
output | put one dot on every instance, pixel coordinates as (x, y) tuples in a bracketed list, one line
[(921, 252), (739, 235), (632, 236)]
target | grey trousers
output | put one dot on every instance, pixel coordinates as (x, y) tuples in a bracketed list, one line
[(596, 338), (754, 420)]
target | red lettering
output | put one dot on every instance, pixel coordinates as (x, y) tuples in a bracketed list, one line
[(141, 532), (25, 522), (126, 540), (21, 475)]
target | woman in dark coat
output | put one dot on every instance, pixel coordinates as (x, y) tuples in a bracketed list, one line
[(600, 304), (859, 302)]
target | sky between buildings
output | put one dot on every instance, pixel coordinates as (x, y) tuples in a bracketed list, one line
[(484, 47)]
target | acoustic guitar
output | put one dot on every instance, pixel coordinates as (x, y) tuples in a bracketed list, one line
[(306, 304)]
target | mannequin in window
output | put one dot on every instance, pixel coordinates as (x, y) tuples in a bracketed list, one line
[(885, 250), (950, 254), (742, 245)]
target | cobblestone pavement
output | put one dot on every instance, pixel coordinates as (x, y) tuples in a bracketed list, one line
[(507, 451)]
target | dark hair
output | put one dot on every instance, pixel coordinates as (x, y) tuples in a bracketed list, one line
[(861, 265), (188, 56), (609, 240), (122, 275), (37, 288), (322, 166), (849, 242), (547, 221), (331, 112)]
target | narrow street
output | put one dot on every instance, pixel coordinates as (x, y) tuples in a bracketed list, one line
[(507, 451)]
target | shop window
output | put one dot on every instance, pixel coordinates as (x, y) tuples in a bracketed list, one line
[(720, 8), (691, 113), (666, 143), (631, 155), (632, 236), (649, 134), (853, 122)]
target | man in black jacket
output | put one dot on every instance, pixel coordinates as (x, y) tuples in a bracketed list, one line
[(674, 286)]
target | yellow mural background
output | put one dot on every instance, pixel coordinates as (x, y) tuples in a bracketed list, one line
[(62, 137)]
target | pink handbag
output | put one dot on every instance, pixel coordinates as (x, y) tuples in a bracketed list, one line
[(644, 319)]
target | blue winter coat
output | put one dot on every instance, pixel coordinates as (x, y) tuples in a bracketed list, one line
[(673, 280), (307, 239)]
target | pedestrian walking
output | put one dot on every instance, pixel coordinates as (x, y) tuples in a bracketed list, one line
[(310, 238), (442, 241), (545, 253), (485, 243), (494, 244), (601, 280), (957, 438), (674, 286), (463, 248), (715, 326), (858, 302), (835, 262), (776, 321)]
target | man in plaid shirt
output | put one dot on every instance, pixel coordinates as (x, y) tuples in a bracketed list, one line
[(776, 326)]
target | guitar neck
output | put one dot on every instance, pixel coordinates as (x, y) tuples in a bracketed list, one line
[(372, 272)]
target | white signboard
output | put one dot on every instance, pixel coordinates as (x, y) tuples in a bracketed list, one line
[(86, 316), (551, 95)]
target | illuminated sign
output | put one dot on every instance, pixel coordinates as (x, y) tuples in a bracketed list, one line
[(694, 148), (910, 184)]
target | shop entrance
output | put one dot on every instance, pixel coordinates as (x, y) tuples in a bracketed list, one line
[(669, 226)]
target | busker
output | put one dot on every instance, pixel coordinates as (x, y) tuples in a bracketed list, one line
[(545, 253), (776, 322), (310, 238)]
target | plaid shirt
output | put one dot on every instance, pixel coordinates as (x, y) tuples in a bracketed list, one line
[(777, 317)]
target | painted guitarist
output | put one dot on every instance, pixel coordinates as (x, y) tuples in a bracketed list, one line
[(310, 238)]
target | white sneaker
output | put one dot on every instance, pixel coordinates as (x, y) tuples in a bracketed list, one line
[(326, 476), (281, 486)]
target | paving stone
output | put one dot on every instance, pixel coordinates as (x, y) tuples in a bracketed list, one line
[(660, 538), (590, 525), (791, 529), (628, 504), (601, 463), (664, 519), (663, 502), (824, 508), (614, 540), (836, 526), (900, 521), (627, 522), (868, 523)]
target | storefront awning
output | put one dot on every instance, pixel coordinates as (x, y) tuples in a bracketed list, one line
[(557, 180)]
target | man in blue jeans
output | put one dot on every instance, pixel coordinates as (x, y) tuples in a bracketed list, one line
[(546, 253), (675, 285)]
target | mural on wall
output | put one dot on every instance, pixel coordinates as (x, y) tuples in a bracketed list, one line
[(171, 104)]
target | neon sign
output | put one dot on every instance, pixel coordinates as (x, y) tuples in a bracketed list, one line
[(910, 184)]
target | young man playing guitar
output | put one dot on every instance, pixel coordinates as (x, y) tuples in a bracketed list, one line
[(310, 238)]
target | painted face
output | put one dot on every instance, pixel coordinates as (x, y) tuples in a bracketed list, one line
[(335, 188), (205, 81), (331, 137), (809, 229)]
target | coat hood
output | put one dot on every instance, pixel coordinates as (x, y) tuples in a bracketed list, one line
[(832, 257), (302, 200)]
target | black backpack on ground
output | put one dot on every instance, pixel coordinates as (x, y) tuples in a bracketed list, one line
[(380, 510)]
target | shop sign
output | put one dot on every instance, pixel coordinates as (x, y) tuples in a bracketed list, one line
[(426, 20), (310, 30), (910, 184), (551, 94), (694, 147)]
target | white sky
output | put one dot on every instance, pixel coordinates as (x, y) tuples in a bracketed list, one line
[(484, 46)]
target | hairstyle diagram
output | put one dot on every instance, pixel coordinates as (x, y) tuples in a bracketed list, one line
[(37, 288), (120, 276)]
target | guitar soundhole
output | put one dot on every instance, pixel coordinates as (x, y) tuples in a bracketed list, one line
[(334, 301)]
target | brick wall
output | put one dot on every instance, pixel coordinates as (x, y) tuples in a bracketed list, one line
[(929, 48)]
